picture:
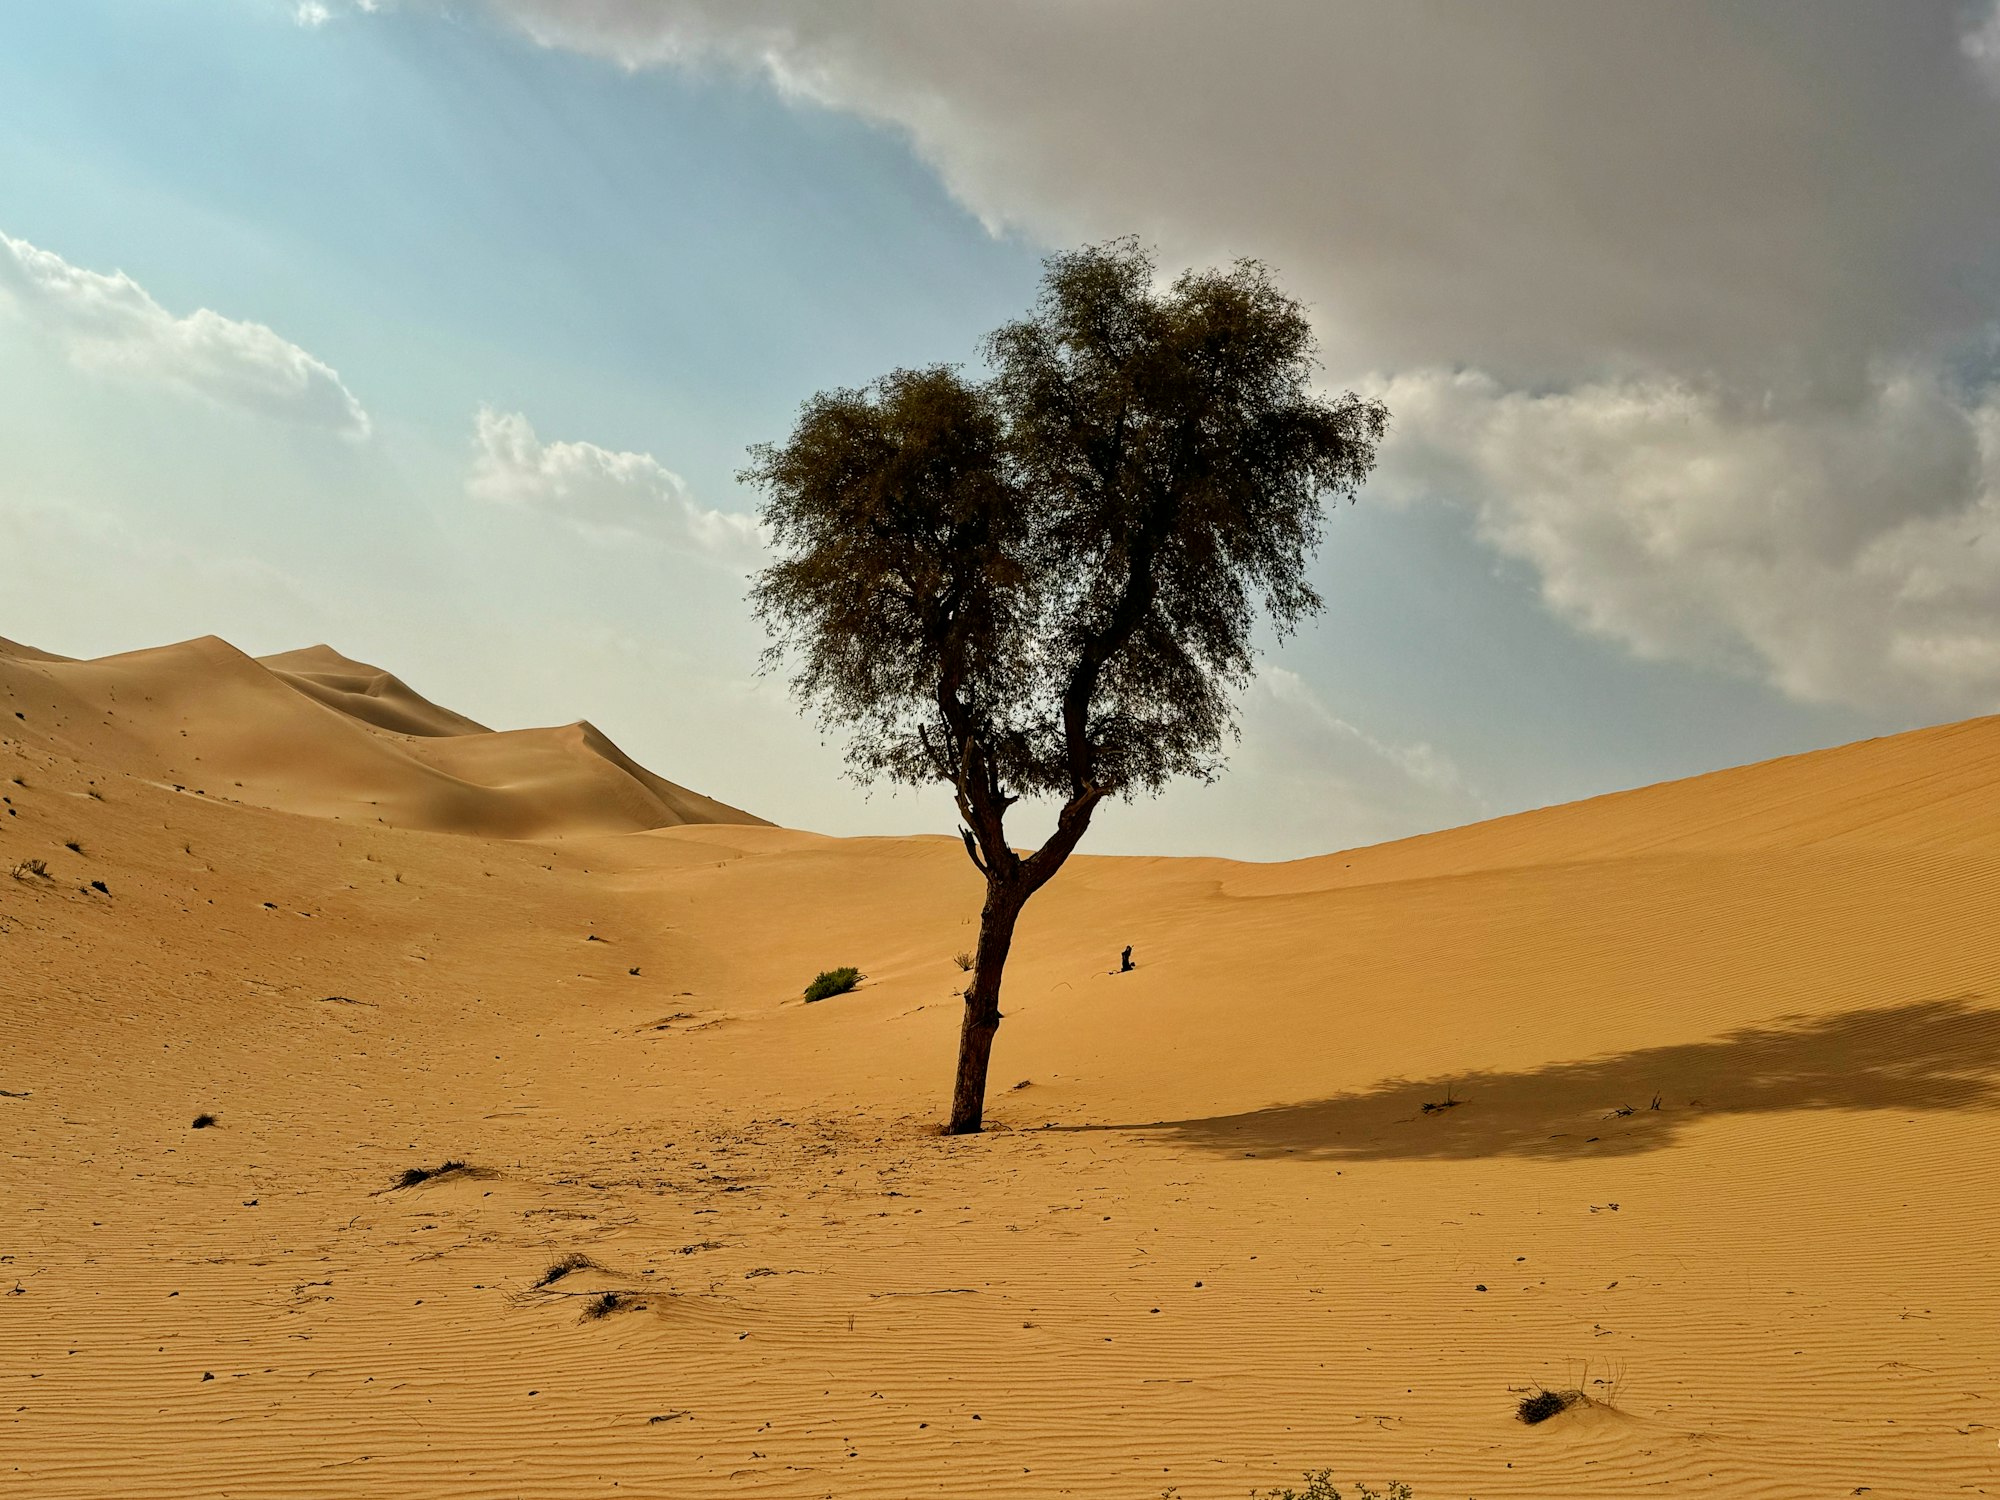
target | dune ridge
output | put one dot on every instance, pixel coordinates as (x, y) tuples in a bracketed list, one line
[(1929, 788), (27, 653), (313, 732), (367, 693)]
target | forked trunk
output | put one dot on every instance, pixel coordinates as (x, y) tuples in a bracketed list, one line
[(1004, 900)]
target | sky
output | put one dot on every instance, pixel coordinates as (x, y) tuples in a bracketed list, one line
[(437, 332)]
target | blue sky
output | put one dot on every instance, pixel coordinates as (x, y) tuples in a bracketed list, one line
[(635, 270)]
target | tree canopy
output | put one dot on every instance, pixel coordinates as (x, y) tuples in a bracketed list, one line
[(1044, 580)]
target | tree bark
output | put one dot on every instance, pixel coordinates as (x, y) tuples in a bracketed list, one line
[(1004, 900)]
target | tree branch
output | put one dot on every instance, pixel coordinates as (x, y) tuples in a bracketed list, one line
[(1101, 646), (1071, 825), (972, 849), (975, 784)]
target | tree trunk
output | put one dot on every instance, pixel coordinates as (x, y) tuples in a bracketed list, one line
[(1004, 900)]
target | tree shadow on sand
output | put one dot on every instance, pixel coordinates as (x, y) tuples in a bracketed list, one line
[(1928, 1055)]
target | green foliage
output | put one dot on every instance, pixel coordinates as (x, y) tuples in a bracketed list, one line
[(831, 982), (1046, 581)]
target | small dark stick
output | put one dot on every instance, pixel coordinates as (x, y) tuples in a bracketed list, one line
[(1125, 960)]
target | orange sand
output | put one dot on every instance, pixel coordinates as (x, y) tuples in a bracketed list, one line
[(1213, 1239)]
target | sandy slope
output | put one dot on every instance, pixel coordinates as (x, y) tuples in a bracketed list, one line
[(1217, 1240), (312, 732), (26, 653), (367, 693)]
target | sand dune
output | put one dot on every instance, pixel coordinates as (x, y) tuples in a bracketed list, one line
[(1722, 1148), (312, 732), (1930, 788), (366, 693), (26, 653)]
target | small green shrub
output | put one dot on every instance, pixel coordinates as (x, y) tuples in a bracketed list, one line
[(833, 982)]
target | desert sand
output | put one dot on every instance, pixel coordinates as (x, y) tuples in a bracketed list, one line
[(1722, 1148)]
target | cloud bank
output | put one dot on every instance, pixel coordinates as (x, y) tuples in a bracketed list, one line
[(1524, 188), (1847, 552), (606, 494), (109, 325), (1695, 306)]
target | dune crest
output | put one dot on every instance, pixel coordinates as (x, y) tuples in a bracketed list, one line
[(1927, 789), (314, 732), (367, 693), (26, 653)]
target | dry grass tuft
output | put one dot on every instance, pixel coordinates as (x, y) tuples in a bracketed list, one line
[(564, 1267), (604, 1304), (1319, 1486), (1542, 1405), (411, 1176)]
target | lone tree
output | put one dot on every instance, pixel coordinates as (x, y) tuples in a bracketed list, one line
[(1043, 583)]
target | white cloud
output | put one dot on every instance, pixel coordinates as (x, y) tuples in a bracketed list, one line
[(1848, 551), (1711, 259), (109, 325), (313, 14), (1981, 43), (598, 490)]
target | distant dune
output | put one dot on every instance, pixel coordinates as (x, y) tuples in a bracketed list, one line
[(26, 653), (367, 693), (1686, 1098), (312, 732), (1927, 789)]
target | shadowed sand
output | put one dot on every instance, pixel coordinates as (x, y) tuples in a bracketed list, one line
[(1941, 1055), (1213, 1239)]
